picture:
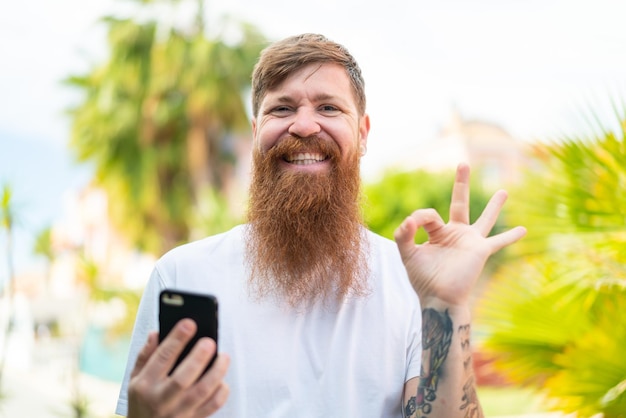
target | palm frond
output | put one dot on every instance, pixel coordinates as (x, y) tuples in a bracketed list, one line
[(553, 317)]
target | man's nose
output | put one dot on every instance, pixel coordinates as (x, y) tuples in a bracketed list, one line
[(304, 124)]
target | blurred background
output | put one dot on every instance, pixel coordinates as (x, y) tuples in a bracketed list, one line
[(124, 131)]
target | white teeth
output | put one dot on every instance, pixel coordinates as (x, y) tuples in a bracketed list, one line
[(306, 158)]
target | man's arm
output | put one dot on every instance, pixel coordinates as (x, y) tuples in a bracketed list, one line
[(443, 272), (446, 386)]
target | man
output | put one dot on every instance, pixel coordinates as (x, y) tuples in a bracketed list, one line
[(320, 317)]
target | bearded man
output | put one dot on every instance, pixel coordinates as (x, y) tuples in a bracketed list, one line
[(321, 317)]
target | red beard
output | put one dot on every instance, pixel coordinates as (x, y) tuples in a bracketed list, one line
[(306, 240)]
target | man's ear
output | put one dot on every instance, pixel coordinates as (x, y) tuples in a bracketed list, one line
[(364, 130)]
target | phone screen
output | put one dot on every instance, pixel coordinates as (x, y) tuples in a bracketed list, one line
[(175, 305)]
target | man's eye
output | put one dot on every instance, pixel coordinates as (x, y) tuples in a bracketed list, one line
[(280, 110), (329, 109)]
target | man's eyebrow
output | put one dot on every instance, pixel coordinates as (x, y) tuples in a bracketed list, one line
[(318, 98), (325, 96), (283, 99), (273, 101)]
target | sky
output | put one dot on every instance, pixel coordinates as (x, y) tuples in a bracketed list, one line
[(533, 67)]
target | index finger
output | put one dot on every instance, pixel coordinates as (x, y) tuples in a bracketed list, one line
[(169, 349), (459, 204)]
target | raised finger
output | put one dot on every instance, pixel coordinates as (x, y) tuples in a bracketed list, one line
[(497, 242), (459, 204), (488, 218)]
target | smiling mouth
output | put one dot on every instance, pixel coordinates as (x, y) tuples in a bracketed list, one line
[(305, 158)]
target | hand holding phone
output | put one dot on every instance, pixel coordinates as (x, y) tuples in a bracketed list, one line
[(175, 305), (152, 394)]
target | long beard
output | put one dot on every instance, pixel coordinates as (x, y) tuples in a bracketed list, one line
[(306, 240)]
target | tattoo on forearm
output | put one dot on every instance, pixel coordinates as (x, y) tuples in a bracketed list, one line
[(464, 332), (470, 399), (410, 408), (437, 330), (436, 340)]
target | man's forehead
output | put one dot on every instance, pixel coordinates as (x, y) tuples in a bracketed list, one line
[(320, 81)]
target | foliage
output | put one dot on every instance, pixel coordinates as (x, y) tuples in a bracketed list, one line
[(214, 215), (554, 317), (43, 244), (508, 401), (160, 121), (8, 216), (7, 223), (90, 275)]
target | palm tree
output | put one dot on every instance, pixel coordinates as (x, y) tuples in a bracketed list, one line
[(44, 247), (7, 221), (159, 121), (554, 318)]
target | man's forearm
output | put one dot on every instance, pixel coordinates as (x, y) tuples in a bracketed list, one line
[(447, 386)]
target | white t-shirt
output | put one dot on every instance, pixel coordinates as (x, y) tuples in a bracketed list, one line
[(346, 361)]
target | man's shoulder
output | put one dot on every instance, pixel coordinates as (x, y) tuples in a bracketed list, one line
[(381, 243), (384, 256), (225, 243)]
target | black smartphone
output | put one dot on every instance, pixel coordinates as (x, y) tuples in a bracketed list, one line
[(175, 305)]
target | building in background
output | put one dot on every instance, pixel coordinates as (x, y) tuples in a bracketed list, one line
[(492, 153)]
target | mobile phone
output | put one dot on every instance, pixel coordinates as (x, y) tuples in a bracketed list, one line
[(175, 305)]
